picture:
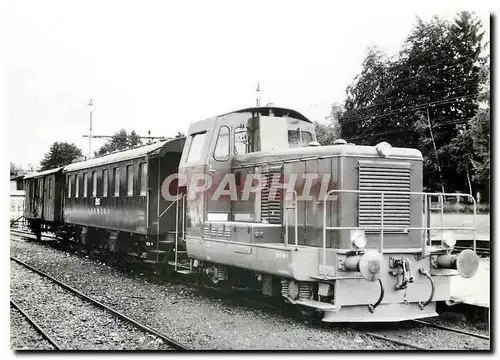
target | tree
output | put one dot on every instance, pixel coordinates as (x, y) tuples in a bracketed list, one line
[(121, 140), (479, 132), (60, 154), (328, 132), (366, 98), (423, 98), (15, 169)]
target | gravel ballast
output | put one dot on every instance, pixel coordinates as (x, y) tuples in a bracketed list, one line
[(205, 323), (72, 322)]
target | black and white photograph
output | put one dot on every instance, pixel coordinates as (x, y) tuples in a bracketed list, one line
[(199, 176)]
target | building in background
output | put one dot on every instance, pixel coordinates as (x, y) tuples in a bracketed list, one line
[(16, 197)]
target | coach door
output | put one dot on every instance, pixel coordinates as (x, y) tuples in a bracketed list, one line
[(48, 199), (39, 198), (218, 168)]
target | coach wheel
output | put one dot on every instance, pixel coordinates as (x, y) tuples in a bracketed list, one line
[(38, 231)]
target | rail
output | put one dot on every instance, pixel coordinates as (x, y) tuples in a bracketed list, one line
[(382, 227), (35, 325)]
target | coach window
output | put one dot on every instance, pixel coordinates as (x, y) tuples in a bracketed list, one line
[(143, 182), (40, 188), (130, 181), (197, 141), (70, 180), (221, 152), (77, 185), (116, 177), (94, 184), (85, 181), (105, 183), (50, 188)]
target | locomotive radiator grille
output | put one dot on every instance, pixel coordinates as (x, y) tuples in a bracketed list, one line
[(270, 209), (384, 177)]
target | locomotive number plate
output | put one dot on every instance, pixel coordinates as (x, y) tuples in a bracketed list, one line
[(281, 255)]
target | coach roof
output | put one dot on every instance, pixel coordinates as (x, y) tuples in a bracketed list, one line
[(43, 173), (157, 148)]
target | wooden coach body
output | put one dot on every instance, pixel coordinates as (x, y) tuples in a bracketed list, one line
[(44, 201)]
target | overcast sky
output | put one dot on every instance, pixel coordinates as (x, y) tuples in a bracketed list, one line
[(161, 65)]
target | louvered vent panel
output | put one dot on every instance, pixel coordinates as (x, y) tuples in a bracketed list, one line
[(270, 209), (385, 177)]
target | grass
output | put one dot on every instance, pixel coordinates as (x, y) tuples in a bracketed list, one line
[(464, 220)]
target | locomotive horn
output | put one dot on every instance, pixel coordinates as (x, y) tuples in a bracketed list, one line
[(467, 263), (369, 264)]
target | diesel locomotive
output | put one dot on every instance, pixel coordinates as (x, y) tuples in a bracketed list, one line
[(251, 199)]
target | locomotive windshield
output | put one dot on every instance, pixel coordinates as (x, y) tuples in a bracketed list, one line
[(272, 133), (299, 138)]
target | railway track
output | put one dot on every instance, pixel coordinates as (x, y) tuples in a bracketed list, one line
[(35, 325), (381, 335), (171, 342), (256, 303), (447, 328)]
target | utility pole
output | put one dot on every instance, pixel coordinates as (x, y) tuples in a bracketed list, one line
[(258, 94), (91, 110), (435, 150)]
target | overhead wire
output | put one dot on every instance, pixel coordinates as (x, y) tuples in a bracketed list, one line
[(408, 108), (419, 96)]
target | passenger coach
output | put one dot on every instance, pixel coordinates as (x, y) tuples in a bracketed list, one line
[(116, 199)]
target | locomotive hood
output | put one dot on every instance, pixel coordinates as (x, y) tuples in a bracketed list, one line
[(321, 152)]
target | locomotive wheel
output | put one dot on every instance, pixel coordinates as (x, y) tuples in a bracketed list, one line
[(306, 311), (310, 313)]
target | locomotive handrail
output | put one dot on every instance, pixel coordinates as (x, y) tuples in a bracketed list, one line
[(427, 228), (183, 198), (295, 218), (168, 207)]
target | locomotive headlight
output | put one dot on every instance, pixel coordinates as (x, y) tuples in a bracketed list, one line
[(449, 240), (384, 149), (358, 239)]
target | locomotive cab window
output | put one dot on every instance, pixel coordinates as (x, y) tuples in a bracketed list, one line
[(298, 138), (94, 183), (130, 181), (197, 142), (143, 183), (85, 183), (221, 152), (240, 141), (116, 177), (77, 185), (105, 183)]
